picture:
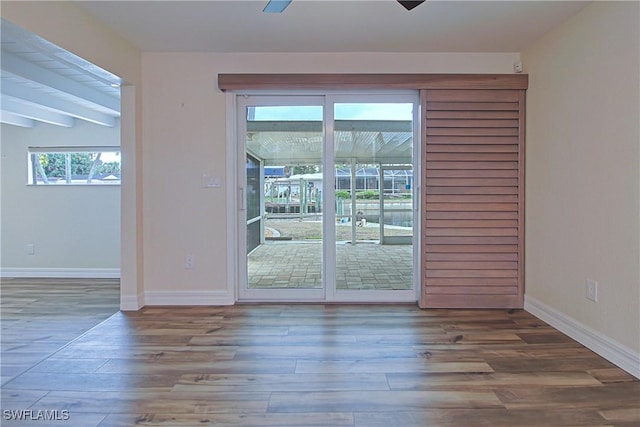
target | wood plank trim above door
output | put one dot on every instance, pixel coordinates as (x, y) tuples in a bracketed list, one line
[(227, 82)]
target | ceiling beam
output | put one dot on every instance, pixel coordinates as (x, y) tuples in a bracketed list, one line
[(35, 112), (59, 105), (12, 64), (11, 119), (11, 32)]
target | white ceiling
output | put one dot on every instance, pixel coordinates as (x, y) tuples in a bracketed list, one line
[(43, 83), (332, 26)]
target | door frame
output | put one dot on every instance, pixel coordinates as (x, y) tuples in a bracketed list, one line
[(236, 161)]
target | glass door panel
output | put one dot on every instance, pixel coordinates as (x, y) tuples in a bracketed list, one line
[(284, 261), (357, 203), (397, 206), (373, 158)]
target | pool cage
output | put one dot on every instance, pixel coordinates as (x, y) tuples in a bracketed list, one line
[(395, 181), (301, 196)]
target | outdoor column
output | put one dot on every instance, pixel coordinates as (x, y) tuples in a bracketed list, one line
[(353, 201)]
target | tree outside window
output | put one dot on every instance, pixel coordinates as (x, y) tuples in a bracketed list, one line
[(74, 167)]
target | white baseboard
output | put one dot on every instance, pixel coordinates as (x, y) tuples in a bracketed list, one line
[(616, 353), (188, 298), (65, 273), (131, 302)]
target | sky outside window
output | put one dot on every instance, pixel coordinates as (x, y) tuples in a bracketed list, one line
[(351, 111)]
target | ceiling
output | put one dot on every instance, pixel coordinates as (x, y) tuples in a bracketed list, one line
[(43, 83), (332, 25)]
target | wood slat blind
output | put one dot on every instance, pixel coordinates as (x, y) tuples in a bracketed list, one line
[(473, 198)]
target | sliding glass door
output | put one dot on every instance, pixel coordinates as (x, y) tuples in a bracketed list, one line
[(284, 135), (373, 159), (327, 197)]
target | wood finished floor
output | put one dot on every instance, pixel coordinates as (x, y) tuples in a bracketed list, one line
[(39, 316), (311, 365)]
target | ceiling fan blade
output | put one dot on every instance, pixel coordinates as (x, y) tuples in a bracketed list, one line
[(276, 6), (410, 4)]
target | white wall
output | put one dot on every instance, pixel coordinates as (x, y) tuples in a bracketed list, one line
[(582, 184), (185, 136), (72, 227)]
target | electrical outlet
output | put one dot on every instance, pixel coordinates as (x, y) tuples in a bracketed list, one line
[(189, 262), (592, 290), (31, 249)]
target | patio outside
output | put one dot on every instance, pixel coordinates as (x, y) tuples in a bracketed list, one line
[(291, 257)]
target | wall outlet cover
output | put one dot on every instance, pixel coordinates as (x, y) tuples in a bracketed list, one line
[(592, 290), (189, 262)]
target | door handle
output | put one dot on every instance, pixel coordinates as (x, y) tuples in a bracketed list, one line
[(241, 201)]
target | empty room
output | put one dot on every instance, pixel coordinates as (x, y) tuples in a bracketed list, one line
[(306, 213)]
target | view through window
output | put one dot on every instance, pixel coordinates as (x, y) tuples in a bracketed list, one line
[(74, 165)]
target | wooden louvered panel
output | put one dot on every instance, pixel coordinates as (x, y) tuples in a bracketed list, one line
[(452, 173), (471, 215), (478, 265), (475, 165), (475, 281), (471, 190), (484, 148), (471, 274), (475, 240), (479, 207), (470, 248), (473, 256), (444, 114), (472, 230), (472, 182), (477, 223), (467, 96), (470, 290), (472, 131), (473, 198), (473, 139), (471, 106), (473, 156), (454, 231), (456, 123)]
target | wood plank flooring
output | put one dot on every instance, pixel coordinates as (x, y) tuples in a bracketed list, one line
[(39, 316), (310, 365)]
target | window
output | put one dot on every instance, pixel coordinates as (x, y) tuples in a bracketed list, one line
[(74, 166)]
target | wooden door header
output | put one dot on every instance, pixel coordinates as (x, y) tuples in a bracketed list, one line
[(227, 82)]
